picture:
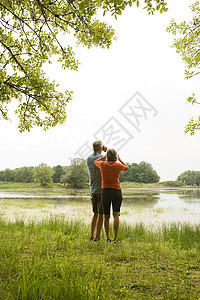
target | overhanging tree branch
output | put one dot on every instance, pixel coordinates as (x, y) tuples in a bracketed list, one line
[(29, 36)]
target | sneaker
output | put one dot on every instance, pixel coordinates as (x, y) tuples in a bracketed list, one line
[(116, 241), (109, 240), (96, 239), (91, 239)]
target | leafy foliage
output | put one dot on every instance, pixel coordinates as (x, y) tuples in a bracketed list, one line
[(187, 43), (24, 174), (142, 172), (190, 177), (30, 36), (58, 173), (77, 174), (7, 175), (43, 174)]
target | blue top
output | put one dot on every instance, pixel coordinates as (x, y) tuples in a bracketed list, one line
[(94, 174)]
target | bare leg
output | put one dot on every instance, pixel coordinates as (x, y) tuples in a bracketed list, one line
[(99, 226), (106, 226), (116, 226), (93, 224)]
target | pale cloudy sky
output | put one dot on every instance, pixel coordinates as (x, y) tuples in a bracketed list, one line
[(141, 60)]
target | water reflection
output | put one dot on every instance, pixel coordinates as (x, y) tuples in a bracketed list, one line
[(177, 201), (140, 201), (12, 196), (150, 206)]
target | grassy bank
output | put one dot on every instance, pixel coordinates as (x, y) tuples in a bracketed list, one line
[(58, 188), (53, 259)]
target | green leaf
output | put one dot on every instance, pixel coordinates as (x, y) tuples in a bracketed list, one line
[(30, 39)]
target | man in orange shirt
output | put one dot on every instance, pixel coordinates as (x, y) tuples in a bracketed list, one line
[(111, 189)]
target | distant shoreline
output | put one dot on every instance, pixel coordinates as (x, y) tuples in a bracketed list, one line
[(61, 189)]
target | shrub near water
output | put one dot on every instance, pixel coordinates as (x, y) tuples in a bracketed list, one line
[(53, 259)]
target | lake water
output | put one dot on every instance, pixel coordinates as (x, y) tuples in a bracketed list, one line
[(147, 206)]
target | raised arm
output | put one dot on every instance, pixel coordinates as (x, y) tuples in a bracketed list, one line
[(126, 167), (101, 158), (119, 159)]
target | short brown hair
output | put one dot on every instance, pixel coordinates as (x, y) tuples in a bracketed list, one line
[(97, 145), (111, 155)]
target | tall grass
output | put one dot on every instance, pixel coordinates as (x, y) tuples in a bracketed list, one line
[(53, 259), (182, 235)]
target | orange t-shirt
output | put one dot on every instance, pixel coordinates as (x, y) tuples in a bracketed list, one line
[(110, 172)]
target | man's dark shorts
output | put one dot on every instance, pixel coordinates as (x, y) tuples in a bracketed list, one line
[(113, 196), (97, 204)]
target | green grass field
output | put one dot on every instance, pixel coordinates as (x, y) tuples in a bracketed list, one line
[(53, 259), (58, 188)]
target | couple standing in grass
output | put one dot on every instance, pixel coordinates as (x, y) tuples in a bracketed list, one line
[(104, 171)]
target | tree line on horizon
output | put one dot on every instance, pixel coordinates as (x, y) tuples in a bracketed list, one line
[(76, 174)]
